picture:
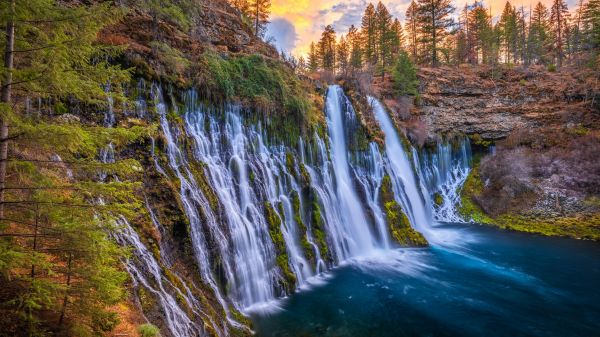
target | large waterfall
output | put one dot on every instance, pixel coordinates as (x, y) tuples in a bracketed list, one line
[(264, 218)]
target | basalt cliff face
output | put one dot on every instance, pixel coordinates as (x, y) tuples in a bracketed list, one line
[(492, 103)]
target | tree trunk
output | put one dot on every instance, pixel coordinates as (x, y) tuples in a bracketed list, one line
[(66, 298), (6, 99)]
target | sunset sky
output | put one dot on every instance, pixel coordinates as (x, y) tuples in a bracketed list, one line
[(294, 24)]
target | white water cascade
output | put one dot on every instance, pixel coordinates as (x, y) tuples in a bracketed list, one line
[(352, 234), (146, 271), (444, 172), (404, 180)]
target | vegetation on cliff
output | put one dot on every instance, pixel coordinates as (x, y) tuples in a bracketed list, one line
[(398, 222), (548, 187)]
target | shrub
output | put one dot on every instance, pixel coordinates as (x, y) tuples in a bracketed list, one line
[(148, 330)]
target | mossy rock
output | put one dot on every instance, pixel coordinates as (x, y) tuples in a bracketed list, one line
[(398, 223), (438, 200), (400, 228), (282, 259), (306, 246)]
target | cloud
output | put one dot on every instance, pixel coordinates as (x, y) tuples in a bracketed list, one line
[(284, 34), (309, 17)]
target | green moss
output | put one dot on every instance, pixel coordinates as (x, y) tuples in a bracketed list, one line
[(318, 228), (400, 228), (306, 181), (268, 85), (478, 140), (581, 226), (290, 163), (147, 301), (275, 223), (473, 186), (306, 246), (398, 223), (438, 199)]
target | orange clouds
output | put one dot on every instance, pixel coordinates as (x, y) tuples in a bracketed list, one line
[(310, 17)]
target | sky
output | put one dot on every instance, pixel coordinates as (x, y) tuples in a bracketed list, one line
[(297, 23)]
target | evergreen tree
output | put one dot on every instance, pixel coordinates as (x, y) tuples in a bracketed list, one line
[(343, 55), (412, 30), (508, 26), (369, 34), (537, 42), (404, 76), (327, 49), (313, 58), (54, 249), (480, 27), (398, 40), (354, 39), (591, 22), (559, 27), (384, 37), (434, 21), (259, 13)]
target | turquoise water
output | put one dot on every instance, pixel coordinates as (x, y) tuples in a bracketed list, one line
[(487, 283)]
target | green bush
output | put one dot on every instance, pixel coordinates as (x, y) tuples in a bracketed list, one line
[(148, 330)]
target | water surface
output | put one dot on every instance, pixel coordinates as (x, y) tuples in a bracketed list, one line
[(492, 283)]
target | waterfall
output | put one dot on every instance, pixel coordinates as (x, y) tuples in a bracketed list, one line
[(145, 270), (444, 172), (404, 181), (265, 218), (209, 241), (352, 235)]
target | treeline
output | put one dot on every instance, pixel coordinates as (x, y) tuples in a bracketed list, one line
[(430, 36)]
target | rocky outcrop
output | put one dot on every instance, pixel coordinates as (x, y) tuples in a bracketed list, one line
[(492, 102)]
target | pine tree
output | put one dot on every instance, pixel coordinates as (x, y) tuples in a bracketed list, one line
[(259, 13), (369, 34), (54, 243), (591, 24), (559, 27), (301, 68), (412, 32), (537, 42), (384, 36), (480, 27), (354, 39), (313, 58), (327, 49), (434, 20), (398, 40), (343, 55), (404, 76), (508, 26)]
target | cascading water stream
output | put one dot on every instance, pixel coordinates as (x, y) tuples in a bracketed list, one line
[(444, 172), (145, 270), (404, 180), (352, 234)]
